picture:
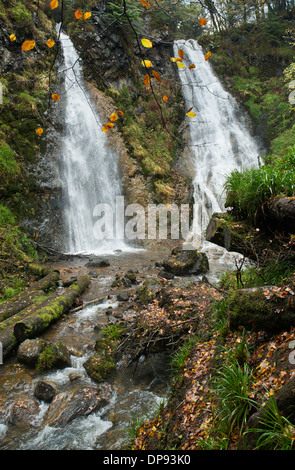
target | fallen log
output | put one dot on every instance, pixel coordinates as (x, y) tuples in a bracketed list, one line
[(26, 298), (7, 337), (42, 318), (271, 309)]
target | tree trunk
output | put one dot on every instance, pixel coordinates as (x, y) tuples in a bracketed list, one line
[(42, 318), (23, 300)]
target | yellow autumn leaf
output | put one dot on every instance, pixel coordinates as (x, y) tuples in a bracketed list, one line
[(109, 125), (202, 21), (55, 97), (104, 129), (191, 114), (53, 4), (145, 3), (12, 37), (157, 76), (208, 55), (146, 63), (147, 80), (87, 15), (78, 14), (165, 98), (39, 131), (180, 65), (114, 117), (172, 59), (146, 43), (28, 45), (50, 43)]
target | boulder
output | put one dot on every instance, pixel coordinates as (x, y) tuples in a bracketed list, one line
[(183, 262), (29, 351), (23, 411), (45, 391), (98, 263), (81, 402)]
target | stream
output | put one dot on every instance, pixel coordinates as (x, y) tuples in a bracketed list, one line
[(132, 396)]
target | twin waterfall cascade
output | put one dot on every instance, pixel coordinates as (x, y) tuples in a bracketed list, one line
[(90, 171), (219, 143), (219, 139)]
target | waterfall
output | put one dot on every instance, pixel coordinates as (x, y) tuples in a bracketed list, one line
[(90, 172), (219, 139)]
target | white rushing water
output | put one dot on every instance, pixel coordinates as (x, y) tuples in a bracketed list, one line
[(219, 139), (90, 172)]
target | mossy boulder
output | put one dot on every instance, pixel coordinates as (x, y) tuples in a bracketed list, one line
[(184, 262), (226, 233), (253, 310), (101, 364), (147, 292)]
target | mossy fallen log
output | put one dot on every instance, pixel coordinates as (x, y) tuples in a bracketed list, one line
[(42, 318), (262, 309), (27, 298), (7, 337)]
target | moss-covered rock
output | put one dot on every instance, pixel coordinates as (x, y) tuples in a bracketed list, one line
[(253, 310), (183, 262), (99, 366), (224, 232)]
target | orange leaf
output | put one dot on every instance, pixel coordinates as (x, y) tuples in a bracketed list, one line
[(39, 131), (55, 97), (78, 14), (146, 80), (157, 76), (189, 109), (192, 66), (145, 3), (165, 98), (50, 43), (120, 113), (104, 128), (28, 45), (113, 117), (202, 21), (180, 53), (208, 55), (53, 4), (109, 125), (87, 15)]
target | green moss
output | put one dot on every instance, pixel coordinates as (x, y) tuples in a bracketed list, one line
[(19, 13), (8, 164), (6, 217), (99, 366)]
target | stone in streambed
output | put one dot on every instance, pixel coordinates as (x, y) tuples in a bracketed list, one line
[(98, 263), (29, 351), (45, 391), (184, 262), (81, 402)]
